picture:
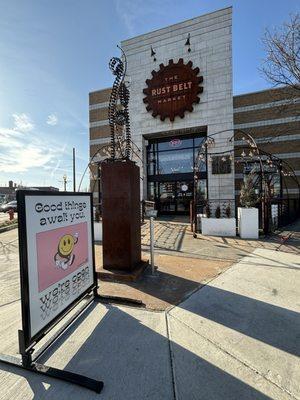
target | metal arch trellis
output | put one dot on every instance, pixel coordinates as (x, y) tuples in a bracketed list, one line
[(284, 169), (209, 142), (255, 154), (118, 116), (107, 149), (255, 151)]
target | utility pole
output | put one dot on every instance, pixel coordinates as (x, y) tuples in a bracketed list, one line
[(74, 172)]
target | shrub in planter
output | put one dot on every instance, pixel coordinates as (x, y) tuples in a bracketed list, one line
[(207, 211), (218, 212), (248, 198), (97, 215), (228, 211), (247, 213)]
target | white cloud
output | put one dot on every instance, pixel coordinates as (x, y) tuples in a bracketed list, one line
[(10, 137), (20, 152), (22, 159), (22, 123), (52, 120)]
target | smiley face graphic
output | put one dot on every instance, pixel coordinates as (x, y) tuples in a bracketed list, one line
[(64, 257), (66, 245)]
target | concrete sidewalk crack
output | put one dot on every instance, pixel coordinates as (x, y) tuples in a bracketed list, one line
[(244, 363), (172, 363)]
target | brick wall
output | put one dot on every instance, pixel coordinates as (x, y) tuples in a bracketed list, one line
[(278, 113)]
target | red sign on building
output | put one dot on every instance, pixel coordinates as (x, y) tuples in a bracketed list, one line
[(173, 90)]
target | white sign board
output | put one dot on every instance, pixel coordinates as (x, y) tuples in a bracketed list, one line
[(56, 255)]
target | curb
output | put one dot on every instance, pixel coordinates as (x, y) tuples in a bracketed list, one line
[(8, 228)]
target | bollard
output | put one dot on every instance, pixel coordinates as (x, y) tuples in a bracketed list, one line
[(152, 244)]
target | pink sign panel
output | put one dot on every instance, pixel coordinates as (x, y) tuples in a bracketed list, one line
[(60, 252)]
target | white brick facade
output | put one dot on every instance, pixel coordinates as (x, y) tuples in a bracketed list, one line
[(211, 51)]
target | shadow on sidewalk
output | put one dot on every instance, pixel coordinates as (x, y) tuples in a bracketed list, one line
[(134, 362), (257, 319)]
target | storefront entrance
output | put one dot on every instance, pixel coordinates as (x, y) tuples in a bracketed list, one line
[(174, 197), (170, 165)]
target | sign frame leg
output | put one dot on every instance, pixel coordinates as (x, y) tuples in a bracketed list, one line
[(28, 364)]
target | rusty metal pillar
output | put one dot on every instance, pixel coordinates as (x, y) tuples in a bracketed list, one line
[(121, 215)]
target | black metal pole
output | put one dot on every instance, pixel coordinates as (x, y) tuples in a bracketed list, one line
[(99, 187), (195, 205), (74, 173)]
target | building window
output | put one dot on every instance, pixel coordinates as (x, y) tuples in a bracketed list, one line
[(174, 155), (180, 161), (221, 165)]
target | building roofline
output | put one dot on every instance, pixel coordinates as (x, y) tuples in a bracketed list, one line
[(263, 90), (173, 25), (100, 90)]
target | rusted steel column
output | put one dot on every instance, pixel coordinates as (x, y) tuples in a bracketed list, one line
[(121, 215)]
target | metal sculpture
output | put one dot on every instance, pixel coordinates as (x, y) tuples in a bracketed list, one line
[(118, 112)]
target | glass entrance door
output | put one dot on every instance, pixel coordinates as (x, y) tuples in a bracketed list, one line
[(167, 197), (184, 195), (175, 197)]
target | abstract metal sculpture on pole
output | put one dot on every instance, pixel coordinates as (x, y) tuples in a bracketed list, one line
[(120, 182), (118, 113)]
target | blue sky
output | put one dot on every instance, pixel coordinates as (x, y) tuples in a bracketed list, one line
[(53, 53)]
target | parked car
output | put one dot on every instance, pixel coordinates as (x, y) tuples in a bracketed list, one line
[(12, 205)]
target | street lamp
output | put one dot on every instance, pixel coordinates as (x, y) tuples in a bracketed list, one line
[(65, 182)]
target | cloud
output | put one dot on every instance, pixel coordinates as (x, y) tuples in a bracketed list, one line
[(22, 123), (21, 159), (20, 152), (52, 120), (10, 137)]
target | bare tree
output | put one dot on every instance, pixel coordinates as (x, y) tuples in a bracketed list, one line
[(282, 45)]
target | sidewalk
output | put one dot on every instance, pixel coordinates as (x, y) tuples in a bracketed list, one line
[(243, 331), (177, 238), (236, 338)]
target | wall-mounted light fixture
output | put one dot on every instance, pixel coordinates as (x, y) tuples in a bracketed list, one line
[(188, 43), (153, 54)]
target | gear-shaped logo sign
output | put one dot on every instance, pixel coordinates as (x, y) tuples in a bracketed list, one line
[(173, 90)]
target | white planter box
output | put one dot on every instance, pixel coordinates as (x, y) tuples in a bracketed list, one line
[(98, 231), (218, 226), (248, 223), (199, 218)]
